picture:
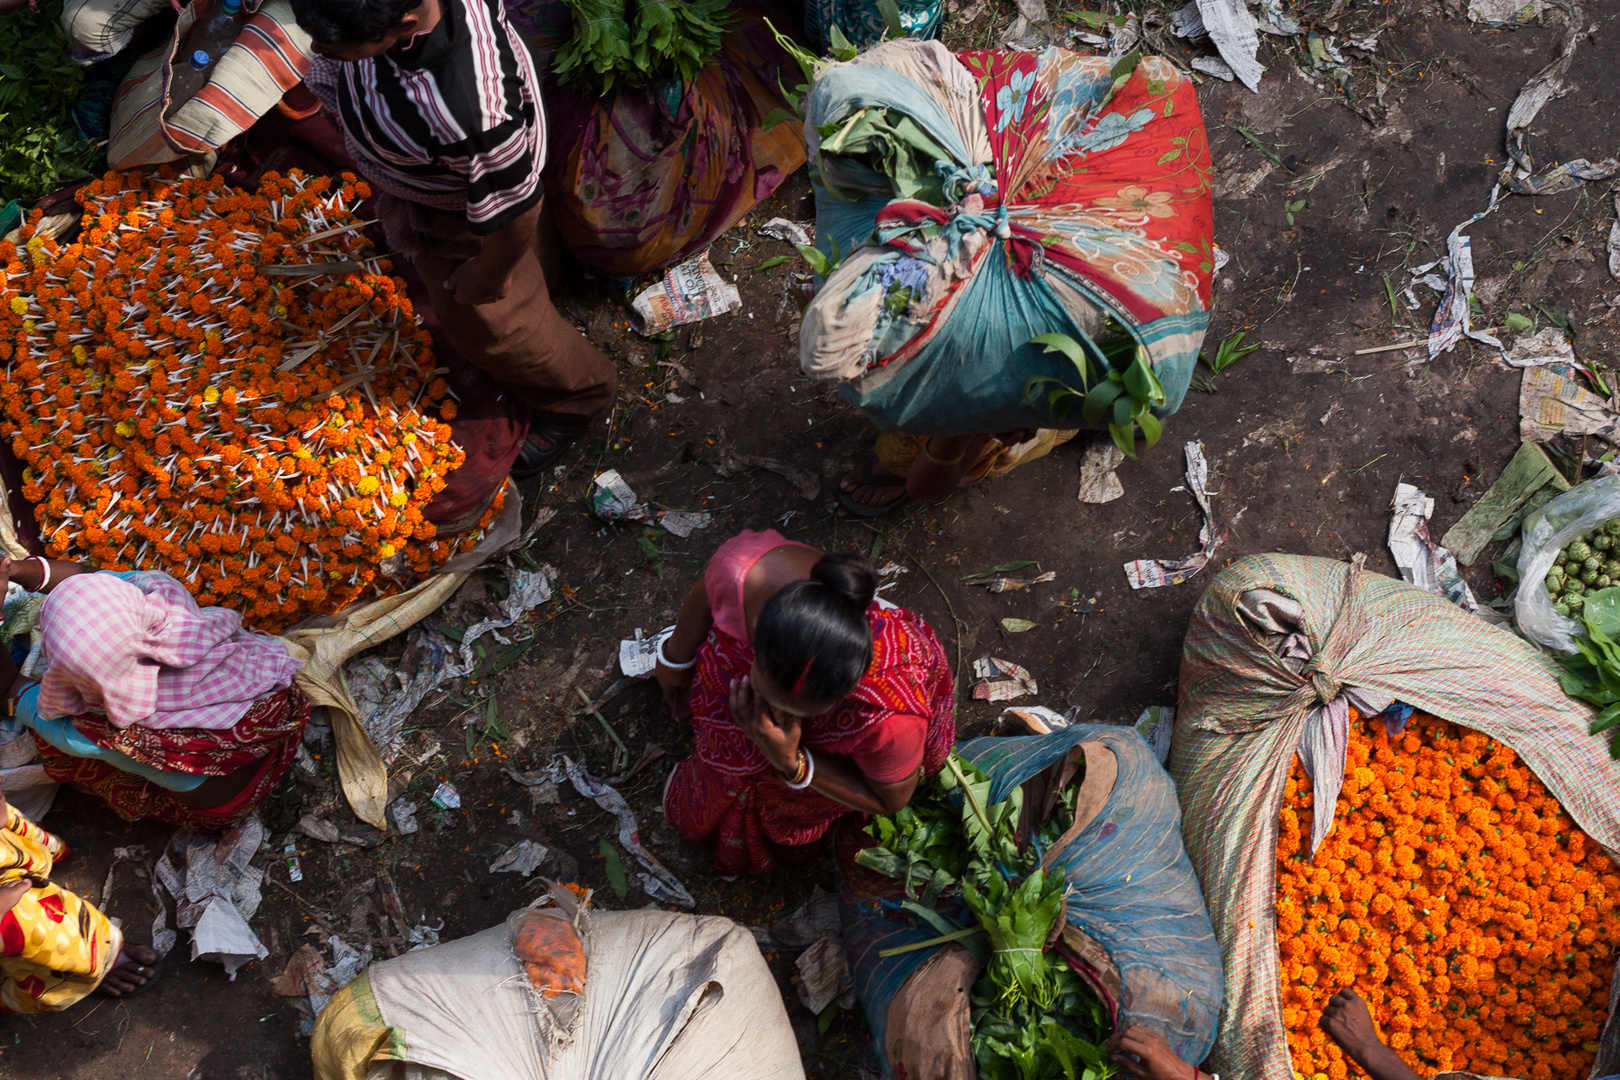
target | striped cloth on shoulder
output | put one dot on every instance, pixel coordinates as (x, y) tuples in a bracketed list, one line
[(453, 122)]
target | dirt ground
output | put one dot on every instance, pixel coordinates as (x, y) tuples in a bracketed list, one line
[(1305, 439)]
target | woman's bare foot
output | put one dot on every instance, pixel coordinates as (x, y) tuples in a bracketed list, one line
[(136, 967), (1348, 1022)]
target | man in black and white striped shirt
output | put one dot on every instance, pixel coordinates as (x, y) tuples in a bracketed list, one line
[(440, 106)]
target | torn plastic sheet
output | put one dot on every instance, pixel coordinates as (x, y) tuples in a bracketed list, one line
[(387, 695), (527, 590), (521, 858), (1031, 29), (799, 234), (1188, 21), (1277, 21), (308, 975), (687, 293), (613, 500), (1423, 562), (1010, 680), (1214, 65), (638, 656), (1156, 573), (1233, 30), (657, 882), (216, 891), (811, 921)]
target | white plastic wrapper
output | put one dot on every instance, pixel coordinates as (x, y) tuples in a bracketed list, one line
[(1577, 510)]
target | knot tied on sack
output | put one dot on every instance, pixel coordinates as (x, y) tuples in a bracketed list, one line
[(1326, 686), (961, 181)]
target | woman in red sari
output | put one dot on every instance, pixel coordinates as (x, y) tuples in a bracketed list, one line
[(809, 698)]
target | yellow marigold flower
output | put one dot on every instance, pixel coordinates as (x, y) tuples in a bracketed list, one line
[(19, 306)]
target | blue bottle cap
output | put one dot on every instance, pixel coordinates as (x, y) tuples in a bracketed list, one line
[(232, 6), (199, 60)]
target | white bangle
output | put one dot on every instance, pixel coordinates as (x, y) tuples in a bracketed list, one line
[(663, 658), (45, 573), (809, 771)]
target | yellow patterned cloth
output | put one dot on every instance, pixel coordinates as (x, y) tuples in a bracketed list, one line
[(54, 947)]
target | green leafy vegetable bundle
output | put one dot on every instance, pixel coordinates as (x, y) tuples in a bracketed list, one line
[(637, 42), (1033, 1017), (40, 147), (1592, 674)]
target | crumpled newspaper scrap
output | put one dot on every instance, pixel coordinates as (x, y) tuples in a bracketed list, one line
[(215, 890), (1157, 573)]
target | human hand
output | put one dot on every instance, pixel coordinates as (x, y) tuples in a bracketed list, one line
[(472, 284), (1349, 1023), (1145, 1055), (777, 741), (676, 686)]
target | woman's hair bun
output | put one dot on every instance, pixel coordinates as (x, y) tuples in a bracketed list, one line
[(852, 577), (814, 638)]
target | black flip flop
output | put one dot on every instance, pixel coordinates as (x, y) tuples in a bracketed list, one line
[(868, 476), (159, 969), (534, 459)]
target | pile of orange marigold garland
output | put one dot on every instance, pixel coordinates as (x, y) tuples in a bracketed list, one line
[(1458, 899), (227, 386)]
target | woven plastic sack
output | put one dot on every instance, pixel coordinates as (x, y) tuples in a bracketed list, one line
[(271, 55), (1546, 532), (667, 997), (1134, 895), (1015, 194), (1245, 712)]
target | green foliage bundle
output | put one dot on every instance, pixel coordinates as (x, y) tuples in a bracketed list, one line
[(1033, 1017), (619, 43), (40, 148)]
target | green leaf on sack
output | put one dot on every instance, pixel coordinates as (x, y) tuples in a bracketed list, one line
[(893, 27), (1066, 345), (1516, 322), (1602, 611), (1017, 626), (614, 867)]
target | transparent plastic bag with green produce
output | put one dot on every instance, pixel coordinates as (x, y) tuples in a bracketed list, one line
[(1545, 561)]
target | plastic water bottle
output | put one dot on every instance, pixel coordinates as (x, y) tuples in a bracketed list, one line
[(202, 49)]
